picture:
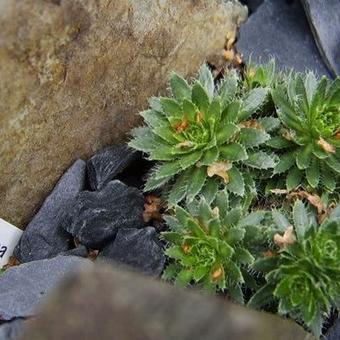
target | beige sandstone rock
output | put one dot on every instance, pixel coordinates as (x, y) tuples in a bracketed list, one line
[(74, 73), (106, 303)]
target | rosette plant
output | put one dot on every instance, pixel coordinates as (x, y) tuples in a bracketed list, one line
[(303, 275), (206, 245), (309, 141), (261, 75), (203, 133)]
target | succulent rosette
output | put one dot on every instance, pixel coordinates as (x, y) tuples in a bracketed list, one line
[(205, 243), (303, 277), (308, 143), (204, 135)]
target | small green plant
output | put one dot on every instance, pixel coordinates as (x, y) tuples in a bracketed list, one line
[(303, 276), (265, 75), (204, 133), (309, 141), (206, 245), (213, 148)]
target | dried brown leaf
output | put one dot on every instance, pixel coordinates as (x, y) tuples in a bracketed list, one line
[(12, 262), (152, 208), (219, 169), (251, 123), (93, 254), (313, 199), (182, 126), (217, 274), (286, 239), (326, 146)]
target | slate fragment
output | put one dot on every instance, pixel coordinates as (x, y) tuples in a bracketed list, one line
[(108, 163), (137, 248), (11, 330), (78, 251), (280, 29), (252, 5), (44, 237), (23, 287), (324, 20), (334, 332), (96, 216)]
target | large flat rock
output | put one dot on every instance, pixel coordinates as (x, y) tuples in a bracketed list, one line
[(74, 73), (104, 303)]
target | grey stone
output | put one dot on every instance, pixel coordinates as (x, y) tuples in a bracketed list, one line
[(107, 164), (11, 330), (22, 288), (79, 251), (280, 29), (106, 303), (324, 19), (44, 237), (96, 216), (334, 332), (252, 4), (137, 248)]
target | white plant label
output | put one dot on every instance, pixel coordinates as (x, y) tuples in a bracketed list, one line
[(9, 238)]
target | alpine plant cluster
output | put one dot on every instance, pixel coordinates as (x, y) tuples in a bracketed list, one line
[(231, 156)]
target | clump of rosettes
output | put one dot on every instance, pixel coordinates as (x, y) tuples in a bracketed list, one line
[(308, 143), (207, 245), (202, 136), (303, 277)]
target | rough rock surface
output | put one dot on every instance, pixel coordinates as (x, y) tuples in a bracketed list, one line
[(44, 236), (280, 29), (23, 287), (96, 216), (128, 306), (108, 163), (137, 248), (324, 19), (74, 73)]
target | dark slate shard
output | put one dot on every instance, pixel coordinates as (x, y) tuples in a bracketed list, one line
[(324, 20), (334, 332), (44, 237), (23, 287), (137, 248), (79, 251), (97, 215), (280, 29), (252, 5), (11, 330), (108, 163), (135, 175)]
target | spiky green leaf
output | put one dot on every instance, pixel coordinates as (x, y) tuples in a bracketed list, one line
[(260, 160), (206, 79), (233, 152), (179, 87), (252, 102), (200, 97), (253, 137), (294, 178), (236, 181)]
